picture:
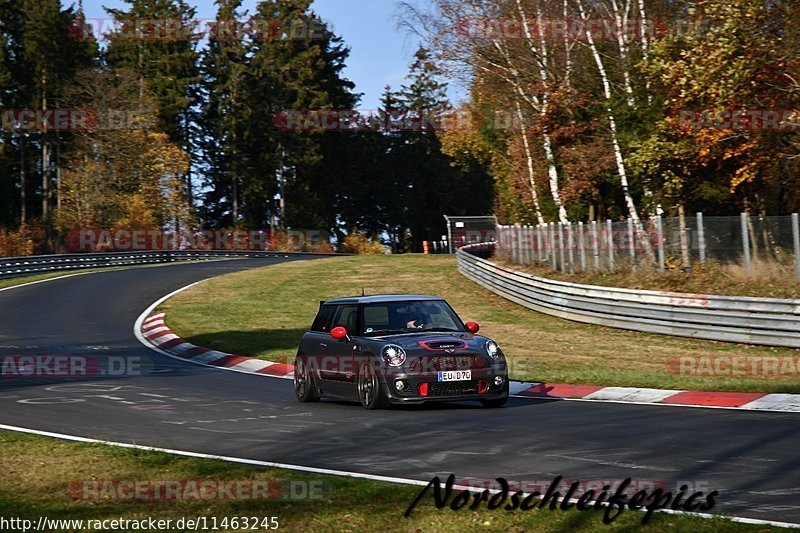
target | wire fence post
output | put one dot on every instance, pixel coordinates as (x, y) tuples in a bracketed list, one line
[(571, 248), (528, 233), (631, 241), (610, 239), (796, 243), (542, 243), (581, 247), (701, 239), (660, 237), (745, 243), (596, 246)]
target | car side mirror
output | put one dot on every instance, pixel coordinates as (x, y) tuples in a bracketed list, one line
[(339, 333), (473, 327)]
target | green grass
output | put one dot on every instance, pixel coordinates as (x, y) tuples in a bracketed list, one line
[(264, 312), (38, 471)]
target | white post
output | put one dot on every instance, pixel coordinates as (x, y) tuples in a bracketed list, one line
[(582, 247), (527, 239), (551, 239), (610, 237), (631, 241), (596, 246), (540, 244), (796, 239), (660, 237), (701, 239), (745, 243), (571, 248)]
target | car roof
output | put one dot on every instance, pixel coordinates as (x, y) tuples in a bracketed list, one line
[(382, 298)]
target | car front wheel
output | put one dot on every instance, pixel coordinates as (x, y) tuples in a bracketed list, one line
[(370, 393), (304, 387)]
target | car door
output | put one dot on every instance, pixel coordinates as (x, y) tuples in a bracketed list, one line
[(336, 368), (314, 343)]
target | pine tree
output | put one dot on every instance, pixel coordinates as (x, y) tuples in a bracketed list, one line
[(164, 56), (224, 117)]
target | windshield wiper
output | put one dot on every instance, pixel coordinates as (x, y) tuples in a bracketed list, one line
[(441, 329)]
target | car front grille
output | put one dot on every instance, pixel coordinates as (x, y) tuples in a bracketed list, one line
[(453, 389)]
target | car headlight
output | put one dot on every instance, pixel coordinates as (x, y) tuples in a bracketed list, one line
[(492, 349), (393, 354)]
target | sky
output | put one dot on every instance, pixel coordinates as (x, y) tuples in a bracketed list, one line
[(380, 53)]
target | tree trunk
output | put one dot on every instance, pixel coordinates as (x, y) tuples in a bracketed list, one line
[(529, 160), (623, 176)]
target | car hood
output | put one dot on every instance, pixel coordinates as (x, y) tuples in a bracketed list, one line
[(433, 341)]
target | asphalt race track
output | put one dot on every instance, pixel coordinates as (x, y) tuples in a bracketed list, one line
[(749, 457)]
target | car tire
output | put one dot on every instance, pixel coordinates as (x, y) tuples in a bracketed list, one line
[(370, 393), (304, 386)]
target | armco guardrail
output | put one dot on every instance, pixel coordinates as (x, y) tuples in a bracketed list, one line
[(767, 321), (37, 264)]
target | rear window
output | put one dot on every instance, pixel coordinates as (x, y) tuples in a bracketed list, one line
[(324, 319)]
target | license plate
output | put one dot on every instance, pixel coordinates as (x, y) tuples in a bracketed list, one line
[(455, 375)]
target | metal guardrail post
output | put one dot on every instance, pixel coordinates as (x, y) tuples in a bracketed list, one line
[(745, 242)]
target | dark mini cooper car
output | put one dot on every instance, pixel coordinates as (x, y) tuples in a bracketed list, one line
[(397, 348)]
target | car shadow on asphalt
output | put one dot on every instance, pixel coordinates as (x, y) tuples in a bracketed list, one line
[(251, 342)]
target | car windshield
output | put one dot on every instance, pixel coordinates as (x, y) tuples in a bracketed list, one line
[(390, 318)]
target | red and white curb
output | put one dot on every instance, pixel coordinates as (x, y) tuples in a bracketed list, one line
[(156, 332)]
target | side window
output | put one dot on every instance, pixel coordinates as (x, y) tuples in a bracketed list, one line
[(324, 318), (376, 317), (345, 315)]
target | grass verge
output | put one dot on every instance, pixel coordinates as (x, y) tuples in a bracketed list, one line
[(264, 312), (38, 473)]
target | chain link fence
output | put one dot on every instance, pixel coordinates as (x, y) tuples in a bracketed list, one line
[(659, 242)]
